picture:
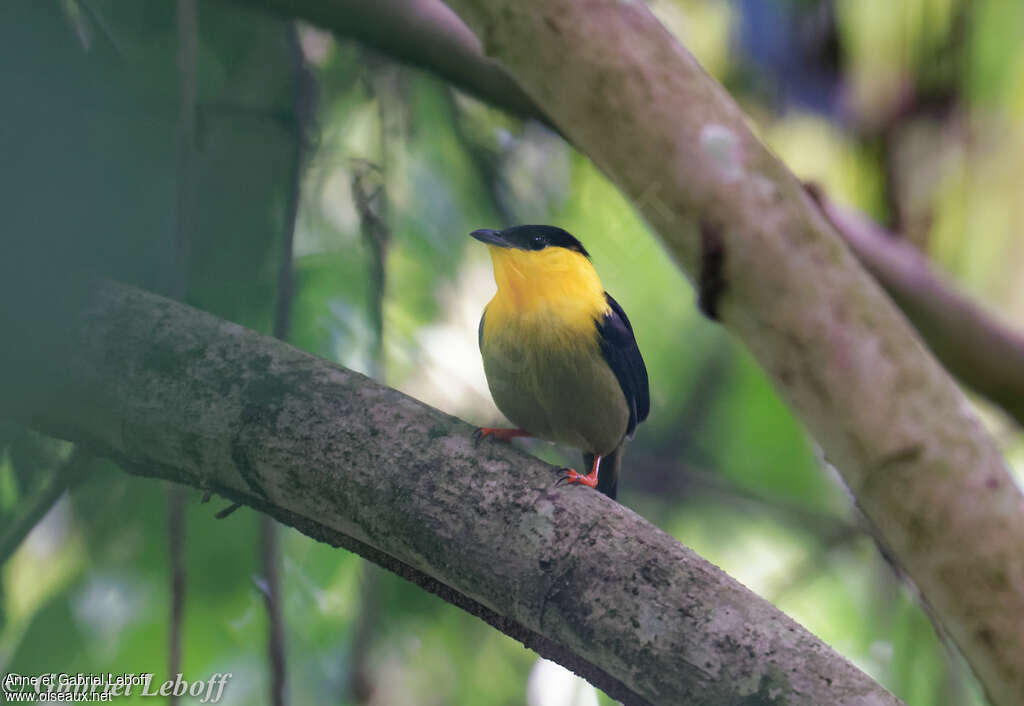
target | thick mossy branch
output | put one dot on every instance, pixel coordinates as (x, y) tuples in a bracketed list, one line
[(924, 471), (172, 392)]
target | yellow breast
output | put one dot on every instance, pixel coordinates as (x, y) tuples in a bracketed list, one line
[(537, 288)]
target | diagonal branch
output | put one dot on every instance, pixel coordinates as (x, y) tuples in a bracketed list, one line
[(773, 270), (168, 391), (986, 355), (424, 33), (69, 473)]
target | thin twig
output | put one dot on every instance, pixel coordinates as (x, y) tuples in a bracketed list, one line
[(361, 684), (486, 164), (70, 472), (372, 209), (371, 206), (271, 559), (104, 27), (227, 511), (188, 58), (271, 553), (176, 555)]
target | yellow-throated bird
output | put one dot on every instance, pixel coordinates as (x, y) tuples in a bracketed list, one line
[(559, 353)]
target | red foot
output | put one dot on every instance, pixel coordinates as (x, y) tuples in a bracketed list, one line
[(503, 434), (589, 480)]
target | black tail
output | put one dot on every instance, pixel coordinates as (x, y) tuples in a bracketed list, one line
[(608, 474)]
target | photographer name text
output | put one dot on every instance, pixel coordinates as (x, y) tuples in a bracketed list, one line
[(112, 684)]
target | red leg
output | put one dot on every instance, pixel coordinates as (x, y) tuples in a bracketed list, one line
[(503, 434), (590, 479)]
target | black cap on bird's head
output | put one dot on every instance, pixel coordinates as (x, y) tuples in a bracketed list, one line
[(531, 237)]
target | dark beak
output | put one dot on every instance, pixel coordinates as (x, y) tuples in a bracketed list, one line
[(491, 237)]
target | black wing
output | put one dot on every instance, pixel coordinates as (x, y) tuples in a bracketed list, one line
[(480, 332), (620, 350)]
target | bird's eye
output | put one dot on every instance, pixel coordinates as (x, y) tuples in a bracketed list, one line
[(538, 242)]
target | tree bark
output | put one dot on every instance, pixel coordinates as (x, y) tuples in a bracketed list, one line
[(772, 269), (986, 355), (171, 392)]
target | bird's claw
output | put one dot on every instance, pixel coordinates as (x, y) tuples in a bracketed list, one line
[(572, 476), (566, 476)]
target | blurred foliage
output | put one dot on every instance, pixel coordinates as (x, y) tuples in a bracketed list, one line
[(911, 111)]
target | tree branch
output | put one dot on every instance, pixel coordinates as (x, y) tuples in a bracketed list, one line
[(171, 392), (424, 33), (773, 270), (986, 355), (270, 560), (70, 472)]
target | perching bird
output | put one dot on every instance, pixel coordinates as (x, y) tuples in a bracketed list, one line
[(559, 353)]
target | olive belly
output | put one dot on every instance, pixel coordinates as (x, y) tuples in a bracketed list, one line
[(557, 386)]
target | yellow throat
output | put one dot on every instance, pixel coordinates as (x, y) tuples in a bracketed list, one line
[(538, 284)]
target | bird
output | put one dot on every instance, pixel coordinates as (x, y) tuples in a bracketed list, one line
[(560, 357)]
